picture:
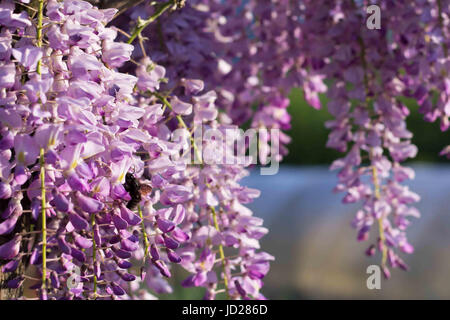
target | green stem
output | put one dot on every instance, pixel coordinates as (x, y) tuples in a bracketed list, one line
[(143, 24), (94, 253), (375, 181), (183, 124), (44, 220), (380, 220), (221, 253), (42, 162), (39, 32), (144, 232)]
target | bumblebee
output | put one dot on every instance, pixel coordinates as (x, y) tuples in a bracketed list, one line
[(136, 190)]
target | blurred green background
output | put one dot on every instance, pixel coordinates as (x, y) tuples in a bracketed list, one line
[(309, 134)]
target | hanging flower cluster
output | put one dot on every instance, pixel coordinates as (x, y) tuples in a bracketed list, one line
[(93, 194)]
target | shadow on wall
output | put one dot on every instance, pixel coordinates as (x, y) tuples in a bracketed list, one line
[(317, 255)]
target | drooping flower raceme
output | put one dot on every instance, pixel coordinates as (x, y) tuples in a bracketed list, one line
[(92, 193)]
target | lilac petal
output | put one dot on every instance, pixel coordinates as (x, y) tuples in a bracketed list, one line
[(10, 266), (51, 157), (162, 268), (159, 239), (12, 207), (239, 288), (119, 222), (127, 276), (35, 209), (66, 262), (97, 269), (8, 225), (170, 243), (78, 254), (179, 235), (149, 80), (28, 56), (193, 86), (19, 20), (97, 237), (122, 254), (124, 264), (254, 274), (84, 171), (7, 141), (386, 273), (371, 250), (231, 239), (117, 289), (118, 192), (129, 216), (7, 75), (101, 187), (76, 183), (54, 279), (175, 194), (363, 233), (128, 245), (181, 107), (83, 63), (11, 248), (78, 222), (173, 256), (36, 257), (61, 203), (179, 214), (165, 225), (115, 54), (211, 277), (406, 247), (20, 175), (82, 242), (114, 239), (154, 252), (5, 190), (143, 273), (62, 244), (133, 237), (199, 279), (12, 119), (15, 283), (89, 205), (402, 265)]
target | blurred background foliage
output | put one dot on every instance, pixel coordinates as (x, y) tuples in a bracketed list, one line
[(309, 135)]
